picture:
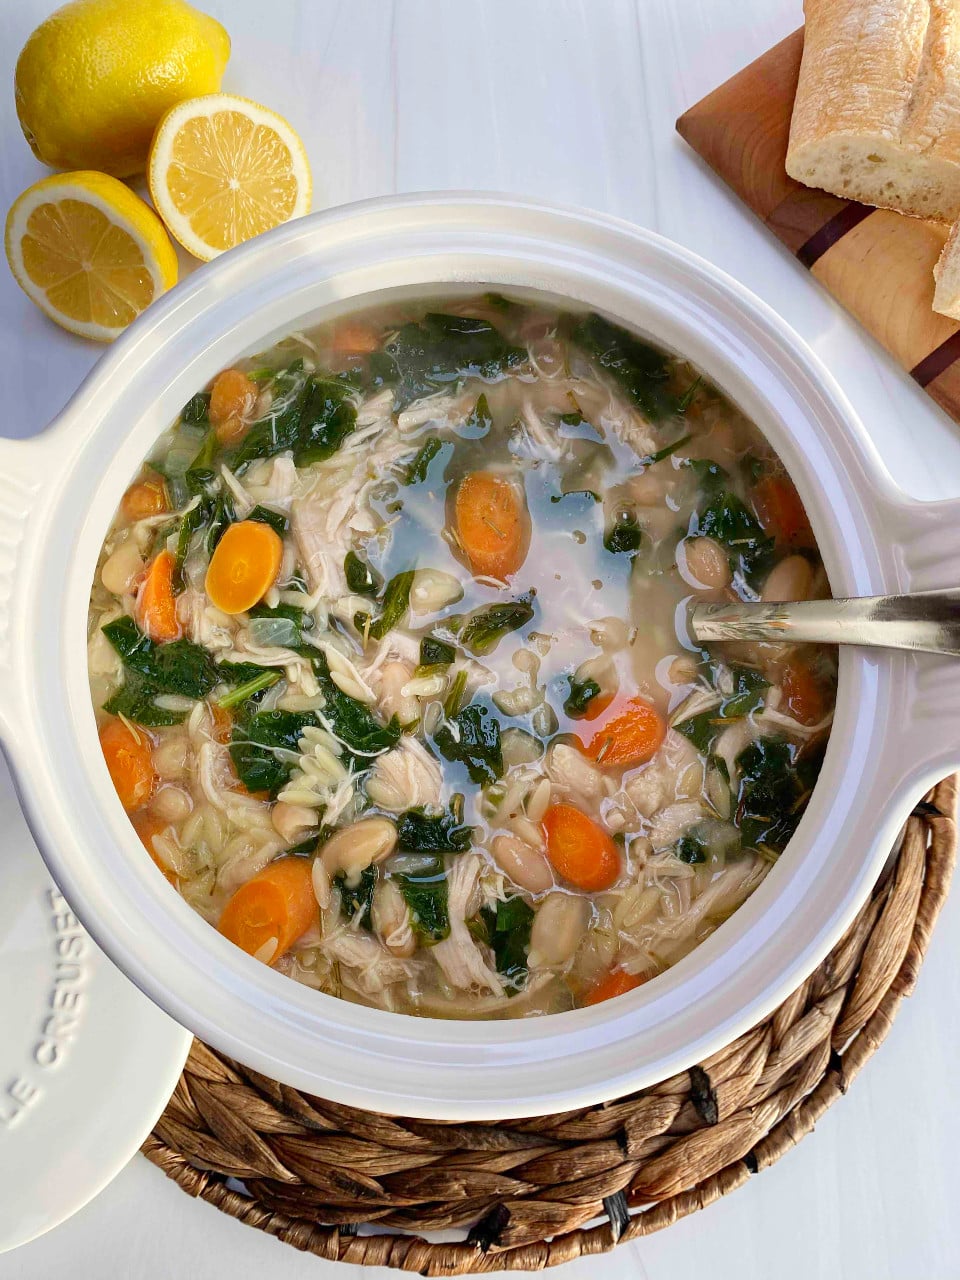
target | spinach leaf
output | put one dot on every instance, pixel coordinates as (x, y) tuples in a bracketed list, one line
[(362, 578), (642, 371), (690, 849), (197, 408), (747, 695), (582, 692), (277, 521), (771, 793), (486, 627), (178, 667), (396, 601), (327, 417), (418, 468), (196, 516), (422, 832), (508, 931), (478, 422), (686, 400), (442, 349), (436, 653), (356, 901), (136, 699), (223, 515), (425, 893), (352, 721), (727, 520), (472, 737), (255, 742), (624, 537)]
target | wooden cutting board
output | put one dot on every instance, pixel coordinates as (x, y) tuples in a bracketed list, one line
[(878, 264)]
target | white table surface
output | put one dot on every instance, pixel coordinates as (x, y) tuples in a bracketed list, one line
[(569, 100)]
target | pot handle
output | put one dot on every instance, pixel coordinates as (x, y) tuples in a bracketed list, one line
[(925, 540)]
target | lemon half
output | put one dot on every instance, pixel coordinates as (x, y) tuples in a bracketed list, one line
[(222, 169), (88, 252)]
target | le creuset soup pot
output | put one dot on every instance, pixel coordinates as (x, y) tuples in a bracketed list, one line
[(894, 732)]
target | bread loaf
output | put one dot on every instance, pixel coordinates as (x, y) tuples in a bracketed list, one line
[(946, 293), (877, 112)]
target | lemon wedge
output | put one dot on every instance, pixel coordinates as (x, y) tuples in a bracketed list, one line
[(88, 252), (222, 169)]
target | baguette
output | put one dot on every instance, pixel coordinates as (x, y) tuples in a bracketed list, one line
[(946, 293), (877, 112)]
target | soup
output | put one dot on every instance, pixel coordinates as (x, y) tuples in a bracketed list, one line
[(385, 656)]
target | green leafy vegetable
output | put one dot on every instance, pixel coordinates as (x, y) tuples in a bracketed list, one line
[(314, 424), (486, 627), (442, 349), (686, 400), (472, 737), (277, 521), (774, 783), (624, 537), (422, 832), (454, 699), (478, 422), (298, 621), (508, 932), (180, 667), (640, 370), (582, 693), (356, 901), (256, 742), (243, 692), (197, 408), (352, 721), (727, 520), (425, 893), (396, 601), (436, 653), (747, 695), (666, 451), (691, 849), (418, 468), (136, 699), (223, 515), (362, 578)]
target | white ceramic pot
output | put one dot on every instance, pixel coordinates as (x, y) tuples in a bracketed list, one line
[(896, 718)]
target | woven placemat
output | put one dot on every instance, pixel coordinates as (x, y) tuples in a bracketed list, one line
[(352, 1186)]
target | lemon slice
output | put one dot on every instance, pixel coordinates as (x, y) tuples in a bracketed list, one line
[(222, 169), (88, 252)]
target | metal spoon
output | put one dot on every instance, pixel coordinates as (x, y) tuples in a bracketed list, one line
[(926, 621)]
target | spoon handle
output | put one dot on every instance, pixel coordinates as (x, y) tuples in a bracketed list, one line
[(927, 621)]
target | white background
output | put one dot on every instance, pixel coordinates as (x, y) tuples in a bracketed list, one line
[(570, 100)]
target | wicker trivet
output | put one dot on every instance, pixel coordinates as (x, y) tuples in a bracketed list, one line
[(523, 1189)]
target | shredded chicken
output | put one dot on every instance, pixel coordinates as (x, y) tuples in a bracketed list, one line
[(405, 778), (458, 955)]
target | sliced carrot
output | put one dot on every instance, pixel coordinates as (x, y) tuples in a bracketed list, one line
[(803, 694), (222, 723), (595, 707), (616, 983), (351, 338), (157, 603), (244, 566), (128, 753), (147, 825), (147, 497), (781, 513), (277, 904), (232, 398), (579, 850), (493, 526), (630, 737)]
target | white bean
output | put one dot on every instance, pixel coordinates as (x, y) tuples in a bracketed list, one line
[(791, 579), (526, 867), (558, 926), (172, 804), (171, 756), (520, 747), (121, 569), (353, 849), (703, 563)]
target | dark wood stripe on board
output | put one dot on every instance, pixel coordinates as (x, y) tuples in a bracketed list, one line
[(850, 216)]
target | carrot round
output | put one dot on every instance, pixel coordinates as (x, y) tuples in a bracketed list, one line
[(147, 825), (631, 737), (802, 693), (145, 498), (579, 850), (352, 338), (157, 603), (128, 753), (232, 398), (492, 524), (278, 903), (244, 566), (781, 513), (616, 983)]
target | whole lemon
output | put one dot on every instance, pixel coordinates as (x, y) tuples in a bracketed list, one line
[(94, 79)]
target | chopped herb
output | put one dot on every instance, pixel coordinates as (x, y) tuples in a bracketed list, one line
[(666, 451), (356, 901), (180, 667), (362, 578), (472, 737), (396, 601), (685, 401), (486, 627), (422, 832), (436, 653), (256, 741), (425, 893), (478, 422), (507, 929), (624, 537), (640, 370), (277, 521), (582, 693), (418, 468), (197, 409)]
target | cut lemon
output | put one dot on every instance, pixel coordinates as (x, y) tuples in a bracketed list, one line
[(89, 252), (223, 169)]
